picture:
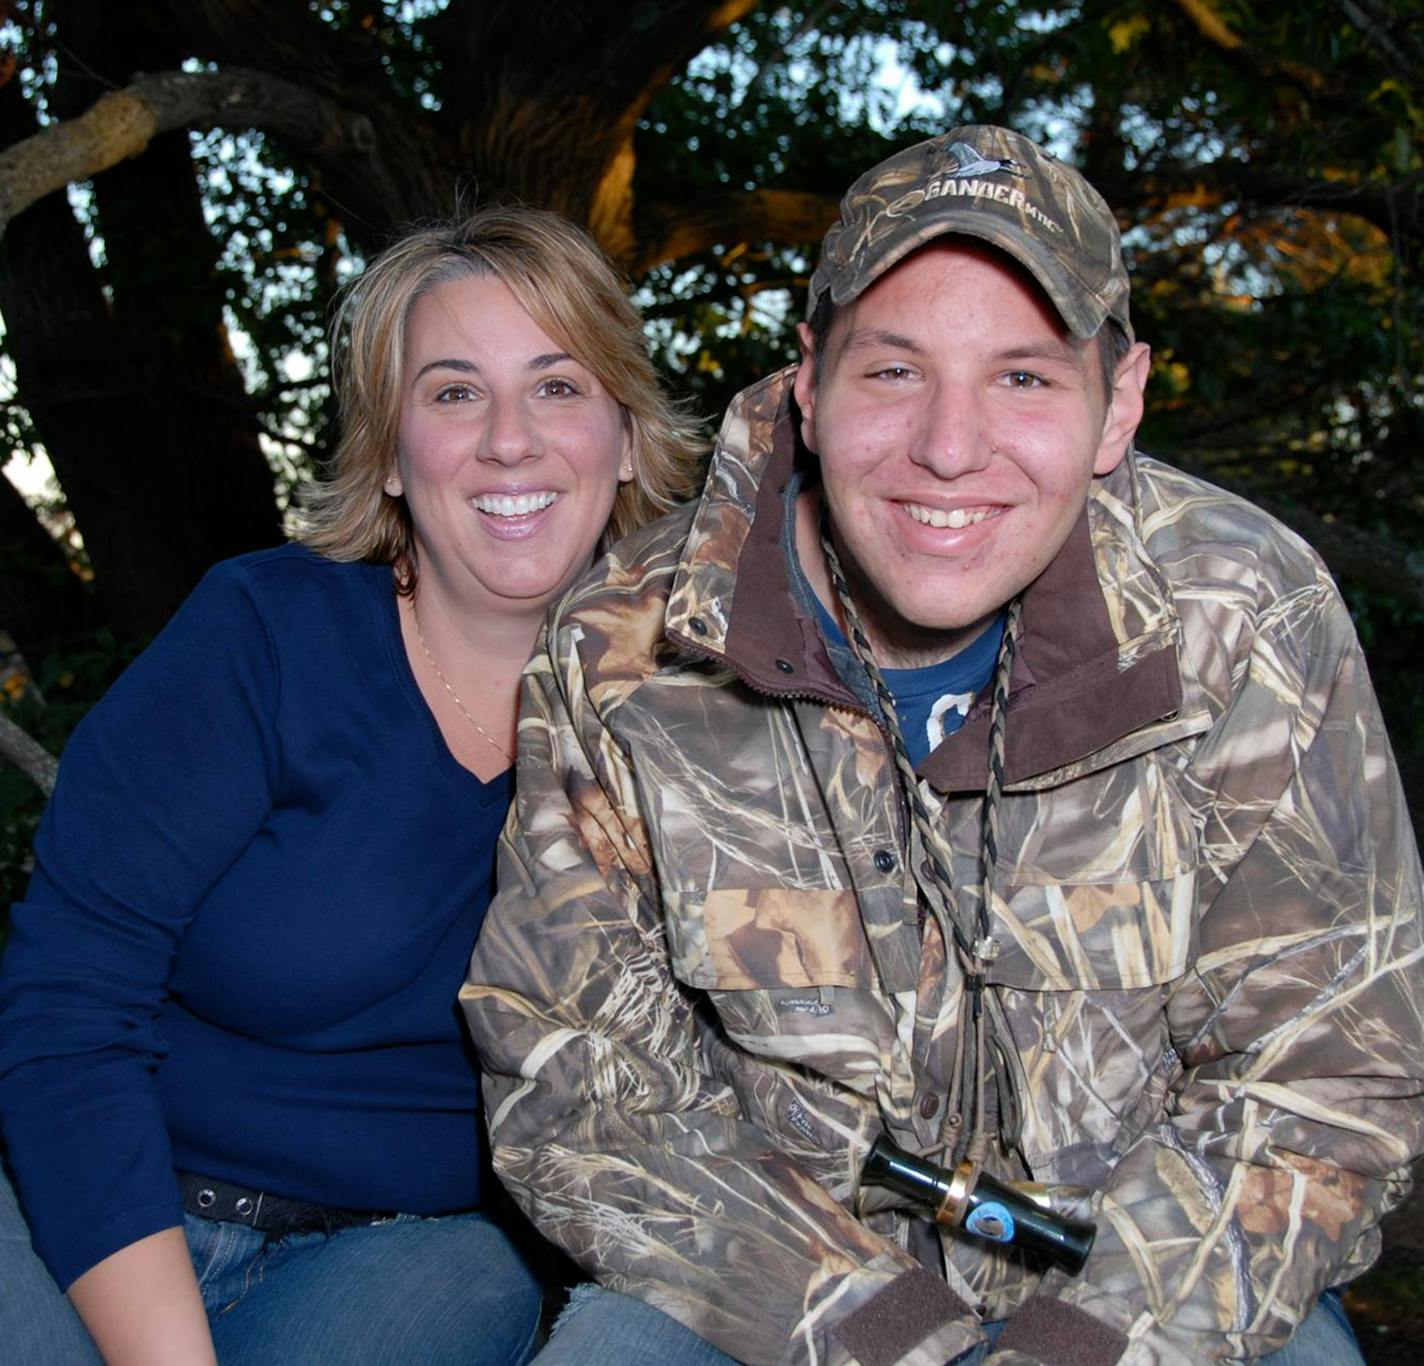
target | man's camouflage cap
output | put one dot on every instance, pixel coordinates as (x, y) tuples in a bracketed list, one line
[(993, 184)]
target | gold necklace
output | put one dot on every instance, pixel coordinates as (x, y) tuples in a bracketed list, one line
[(455, 697)]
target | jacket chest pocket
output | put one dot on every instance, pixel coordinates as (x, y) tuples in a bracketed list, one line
[(790, 975), (1097, 884), (765, 894), (749, 939)]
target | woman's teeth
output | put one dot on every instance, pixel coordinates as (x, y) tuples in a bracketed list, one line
[(513, 505)]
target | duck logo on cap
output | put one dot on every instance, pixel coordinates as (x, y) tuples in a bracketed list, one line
[(968, 162)]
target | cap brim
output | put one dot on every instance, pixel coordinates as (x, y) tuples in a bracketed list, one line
[(1076, 300)]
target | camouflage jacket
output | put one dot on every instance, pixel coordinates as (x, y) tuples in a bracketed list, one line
[(703, 987)]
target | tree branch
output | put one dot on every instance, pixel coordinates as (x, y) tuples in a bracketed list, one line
[(1210, 24), (30, 757), (289, 41), (809, 21), (1396, 209), (1388, 33), (670, 231), (1215, 30), (121, 124)]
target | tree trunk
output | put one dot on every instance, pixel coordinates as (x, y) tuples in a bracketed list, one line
[(135, 397), (69, 367), (204, 486), (43, 604)]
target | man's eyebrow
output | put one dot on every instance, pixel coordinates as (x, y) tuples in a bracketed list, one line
[(1062, 350), (869, 338)]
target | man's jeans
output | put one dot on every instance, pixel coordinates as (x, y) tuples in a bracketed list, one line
[(600, 1328)]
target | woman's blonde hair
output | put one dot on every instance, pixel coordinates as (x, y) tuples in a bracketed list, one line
[(566, 284)]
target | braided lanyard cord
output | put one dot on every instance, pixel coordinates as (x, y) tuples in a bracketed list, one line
[(972, 945)]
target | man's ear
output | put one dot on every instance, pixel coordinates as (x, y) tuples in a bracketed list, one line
[(804, 387), (1124, 413)]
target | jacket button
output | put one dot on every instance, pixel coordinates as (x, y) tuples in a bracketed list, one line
[(884, 860), (699, 627), (786, 666), (929, 1105)]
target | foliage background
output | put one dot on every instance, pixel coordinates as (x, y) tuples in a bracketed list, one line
[(165, 299)]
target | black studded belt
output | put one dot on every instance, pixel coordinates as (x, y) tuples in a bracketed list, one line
[(212, 1199)]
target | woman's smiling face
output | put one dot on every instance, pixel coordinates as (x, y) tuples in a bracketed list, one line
[(509, 451)]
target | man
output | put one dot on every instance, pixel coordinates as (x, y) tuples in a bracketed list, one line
[(1144, 928)]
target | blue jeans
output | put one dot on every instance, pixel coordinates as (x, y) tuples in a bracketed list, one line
[(602, 1328), (430, 1291), (440, 1292)]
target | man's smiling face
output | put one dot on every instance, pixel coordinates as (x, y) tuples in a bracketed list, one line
[(958, 425)]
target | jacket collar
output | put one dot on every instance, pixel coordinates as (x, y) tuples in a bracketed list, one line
[(1097, 674)]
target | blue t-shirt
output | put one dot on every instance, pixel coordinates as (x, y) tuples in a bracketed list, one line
[(932, 702), (255, 893)]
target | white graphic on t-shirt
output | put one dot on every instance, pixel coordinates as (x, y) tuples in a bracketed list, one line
[(934, 727)]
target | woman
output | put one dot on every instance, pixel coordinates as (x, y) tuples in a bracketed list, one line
[(234, 1086)]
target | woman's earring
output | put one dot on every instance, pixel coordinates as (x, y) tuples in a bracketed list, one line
[(393, 485)]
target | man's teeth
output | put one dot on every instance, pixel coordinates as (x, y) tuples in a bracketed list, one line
[(513, 505), (954, 518)]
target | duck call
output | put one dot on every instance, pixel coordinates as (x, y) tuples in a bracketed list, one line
[(967, 1197)]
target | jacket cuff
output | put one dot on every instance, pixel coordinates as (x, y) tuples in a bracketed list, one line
[(1058, 1334), (915, 1319), (1072, 1322)]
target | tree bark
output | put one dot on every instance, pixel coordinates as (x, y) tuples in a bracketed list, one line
[(199, 485), (121, 124), (592, 68), (669, 231), (30, 757), (134, 396), (204, 488), (66, 354), (44, 605)]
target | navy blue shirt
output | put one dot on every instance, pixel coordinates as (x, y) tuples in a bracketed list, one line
[(932, 701), (255, 893)]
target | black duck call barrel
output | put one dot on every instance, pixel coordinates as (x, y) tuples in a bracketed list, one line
[(969, 1198)]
